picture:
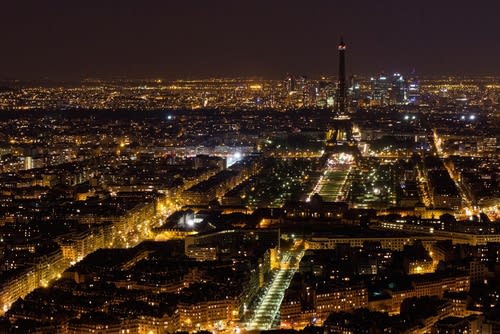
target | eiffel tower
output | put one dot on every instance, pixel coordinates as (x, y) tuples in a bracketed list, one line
[(341, 127)]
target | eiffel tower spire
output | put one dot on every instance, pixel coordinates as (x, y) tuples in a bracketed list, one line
[(341, 94)]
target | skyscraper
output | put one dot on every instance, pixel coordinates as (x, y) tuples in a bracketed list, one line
[(413, 89), (353, 92), (398, 90), (380, 87)]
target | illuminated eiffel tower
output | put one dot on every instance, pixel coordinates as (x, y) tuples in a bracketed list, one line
[(340, 131)]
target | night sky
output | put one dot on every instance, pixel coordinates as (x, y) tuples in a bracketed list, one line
[(74, 39)]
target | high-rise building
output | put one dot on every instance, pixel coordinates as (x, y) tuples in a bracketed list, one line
[(413, 89), (290, 83), (299, 92), (354, 92), (380, 87), (398, 90)]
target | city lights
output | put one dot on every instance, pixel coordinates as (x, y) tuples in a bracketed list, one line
[(190, 172)]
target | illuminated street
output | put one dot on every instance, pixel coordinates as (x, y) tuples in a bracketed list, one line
[(267, 310), (467, 209)]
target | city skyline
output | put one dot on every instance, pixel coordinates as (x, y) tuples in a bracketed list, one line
[(197, 40), (255, 179)]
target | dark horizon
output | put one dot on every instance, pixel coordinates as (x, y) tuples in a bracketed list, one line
[(196, 39)]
